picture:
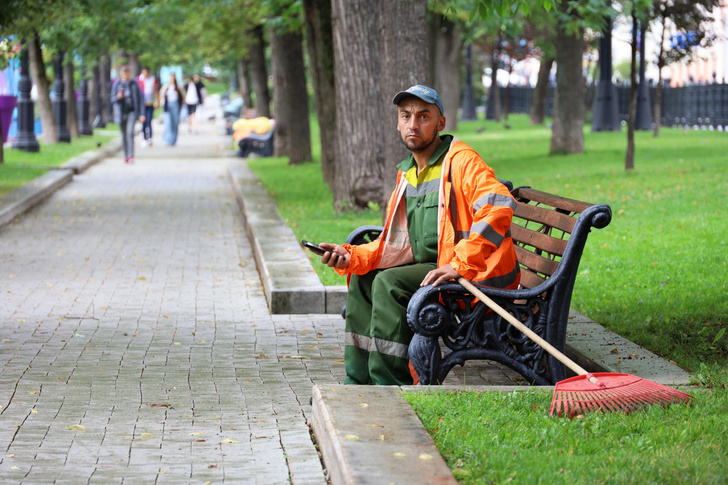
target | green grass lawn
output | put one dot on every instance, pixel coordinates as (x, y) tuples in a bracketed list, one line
[(656, 274), (21, 167), (494, 437)]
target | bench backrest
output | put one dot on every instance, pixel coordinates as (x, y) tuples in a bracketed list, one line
[(542, 225)]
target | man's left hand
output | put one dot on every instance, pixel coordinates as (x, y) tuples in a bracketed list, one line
[(440, 275), (142, 118)]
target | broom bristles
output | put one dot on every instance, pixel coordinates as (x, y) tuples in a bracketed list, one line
[(614, 392)]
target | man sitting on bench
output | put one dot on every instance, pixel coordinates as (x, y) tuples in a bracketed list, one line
[(449, 216), (250, 133)]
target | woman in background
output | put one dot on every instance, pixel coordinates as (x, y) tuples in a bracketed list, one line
[(193, 99), (172, 96)]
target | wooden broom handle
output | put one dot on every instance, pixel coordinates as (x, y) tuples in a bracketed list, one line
[(520, 326)]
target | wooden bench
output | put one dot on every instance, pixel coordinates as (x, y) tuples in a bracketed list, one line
[(451, 326)]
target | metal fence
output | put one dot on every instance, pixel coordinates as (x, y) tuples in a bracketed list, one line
[(689, 106)]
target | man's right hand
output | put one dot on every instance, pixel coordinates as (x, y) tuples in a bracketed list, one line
[(335, 256)]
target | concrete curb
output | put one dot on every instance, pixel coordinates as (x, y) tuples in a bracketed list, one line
[(83, 162), (290, 283), (370, 434), (24, 198)]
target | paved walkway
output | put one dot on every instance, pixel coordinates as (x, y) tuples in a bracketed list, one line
[(135, 341), (135, 344)]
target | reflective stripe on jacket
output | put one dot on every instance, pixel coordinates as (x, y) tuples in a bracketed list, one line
[(475, 213)]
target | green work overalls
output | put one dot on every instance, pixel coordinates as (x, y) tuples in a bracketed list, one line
[(377, 333)]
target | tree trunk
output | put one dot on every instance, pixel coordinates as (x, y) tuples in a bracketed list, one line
[(71, 114), (132, 59), (568, 132), (658, 94), (632, 116), (91, 85), (541, 91), (493, 112), (320, 43), (448, 63), (290, 98), (359, 140), (244, 82), (507, 101), (45, 109), (259, 72), (403, 63)]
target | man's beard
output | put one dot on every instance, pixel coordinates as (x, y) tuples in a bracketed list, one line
[(419, 146)]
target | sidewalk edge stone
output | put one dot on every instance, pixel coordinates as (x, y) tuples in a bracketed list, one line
[(24, 198), (86, 160), (370, 433), (290, 283)]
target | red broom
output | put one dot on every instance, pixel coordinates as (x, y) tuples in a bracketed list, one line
[(605, 391)]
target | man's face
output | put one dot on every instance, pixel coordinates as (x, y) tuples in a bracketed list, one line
[(419, 123), (125, 74)]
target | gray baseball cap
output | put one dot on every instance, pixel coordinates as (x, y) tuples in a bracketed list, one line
[(425, 93)]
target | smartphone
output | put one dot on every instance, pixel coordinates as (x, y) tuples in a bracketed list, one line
[(313, 247)]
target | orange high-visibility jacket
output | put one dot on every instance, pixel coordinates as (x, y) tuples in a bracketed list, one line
[(475, 212)]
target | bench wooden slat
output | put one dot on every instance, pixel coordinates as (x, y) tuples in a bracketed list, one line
[(549, 217), (538, 240), (535, 262), (571, 205), (529, 279)]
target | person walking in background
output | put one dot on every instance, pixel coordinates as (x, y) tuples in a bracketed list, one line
[(128, 106), (171, 96), (203, 94), (150, 89), (193, 98)]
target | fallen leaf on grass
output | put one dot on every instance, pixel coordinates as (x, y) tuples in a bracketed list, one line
[(76, 427)]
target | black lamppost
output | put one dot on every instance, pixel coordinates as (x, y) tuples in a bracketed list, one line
[(643, 118), (59, 102), (107, 86), (469, 112), (606, 104), (100, 120), (25, 139), (84, 128)]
